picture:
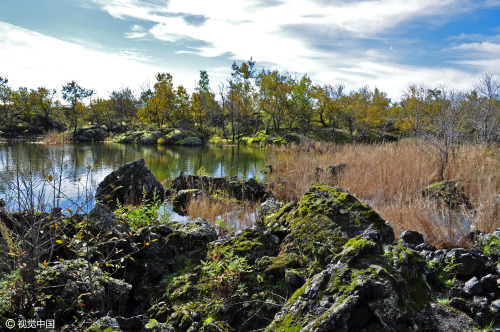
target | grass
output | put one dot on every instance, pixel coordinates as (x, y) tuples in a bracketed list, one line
[(55, 137), (224, 213), (390, 177)]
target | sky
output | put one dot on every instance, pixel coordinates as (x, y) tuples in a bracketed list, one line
[(106, 45)]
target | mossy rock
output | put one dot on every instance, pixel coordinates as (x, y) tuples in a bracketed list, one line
[(450, 192), (367, 287), (250, 243), (324, 220)]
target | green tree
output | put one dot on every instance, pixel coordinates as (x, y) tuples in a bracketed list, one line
[(74, 94), (123, 105)]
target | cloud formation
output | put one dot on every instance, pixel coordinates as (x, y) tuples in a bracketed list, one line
[(303, 35)]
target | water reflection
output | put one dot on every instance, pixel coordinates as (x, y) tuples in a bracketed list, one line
[(80, 167)]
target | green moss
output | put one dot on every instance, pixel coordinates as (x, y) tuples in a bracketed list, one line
[(491, 246)]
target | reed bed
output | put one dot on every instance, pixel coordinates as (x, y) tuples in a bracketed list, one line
[(390, 178)]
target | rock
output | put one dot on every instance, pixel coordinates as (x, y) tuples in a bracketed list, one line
[(425, 246), (495, 307), (94, 134), (104, 221), (490, 243), (135, 323), (251, 243), (360, 292), (75, 284), (268, 207), (154, 326), (411, 238), (473, 287), (181, 201), (449, 192), (131, 183), (452, 320), (489, 283), (467, 263), (250, 189), (323, 221), (140, 137), (106, 323), (190, 141), (336, 170)]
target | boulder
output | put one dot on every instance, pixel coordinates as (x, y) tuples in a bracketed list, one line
[(411, 238), (181, 201), (94, 134), (367, 287), (336, 169), (450, 192), (132, 183), (249, 189), (323, 221), (74, 284)]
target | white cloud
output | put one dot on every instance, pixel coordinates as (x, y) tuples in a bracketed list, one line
[(244, 29), (37, 60), (136, 32), (487, 49)]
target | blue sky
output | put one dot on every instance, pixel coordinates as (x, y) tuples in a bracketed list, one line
[(108, 44)]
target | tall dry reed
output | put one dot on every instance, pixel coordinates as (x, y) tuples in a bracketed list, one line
[(390, 178)]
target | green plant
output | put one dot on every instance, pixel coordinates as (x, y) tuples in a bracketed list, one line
[(223, 274), (12, 288), (443, 301), (202, 171), (224, 227), (446, 271), (150, 213)]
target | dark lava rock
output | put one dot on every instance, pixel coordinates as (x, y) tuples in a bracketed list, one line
[(452, 320), (181, 201), (129, 184), (250, 189), (94, 134), (450, 192), (473, 287), (411, 238)]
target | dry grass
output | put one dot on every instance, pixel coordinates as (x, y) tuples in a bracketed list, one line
[(55, 137), (224, 213), (390, 177)]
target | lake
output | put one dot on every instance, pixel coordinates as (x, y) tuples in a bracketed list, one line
[(67, 175)]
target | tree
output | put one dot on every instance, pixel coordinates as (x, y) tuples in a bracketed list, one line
[(273, 98), (123, 105), (74, 94), (486, 116), (203, 100), (6, 109), (165, 97)]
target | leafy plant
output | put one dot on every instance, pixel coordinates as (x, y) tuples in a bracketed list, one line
[(223, 274), (150, 213), (224, 227)]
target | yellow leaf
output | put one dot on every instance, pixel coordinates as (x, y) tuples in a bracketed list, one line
[(45, 263), (51, 178)]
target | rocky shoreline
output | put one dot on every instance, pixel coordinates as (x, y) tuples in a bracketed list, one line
[(325, 263)]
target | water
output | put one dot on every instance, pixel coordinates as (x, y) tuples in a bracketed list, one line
[(67, 175)]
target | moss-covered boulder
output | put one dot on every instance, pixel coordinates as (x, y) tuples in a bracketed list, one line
[(323, 221), (367, 287), (451, 193), (250, 243), (76, 288)]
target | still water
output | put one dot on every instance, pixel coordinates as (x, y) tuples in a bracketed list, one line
[(67, 175)]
